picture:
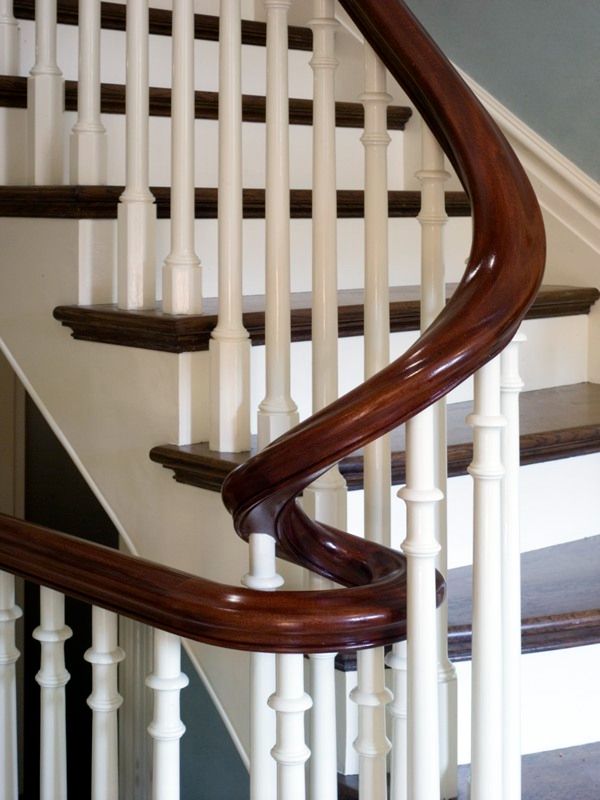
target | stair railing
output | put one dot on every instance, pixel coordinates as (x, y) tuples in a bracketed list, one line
[(502, 276), (175, 604)]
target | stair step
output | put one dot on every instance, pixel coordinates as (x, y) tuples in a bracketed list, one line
[(206, 26), (154, 330), (13, 94), (559, 422), (572, 773), (100, 202)]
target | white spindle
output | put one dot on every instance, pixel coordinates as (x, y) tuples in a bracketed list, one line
[(511, 385), (9, 614), (397, 662), (9, 39), (290, 703), (487, 472), (105, 701), (263, 769), (166, 728), (52, 678), (137, 211), (432, 219), (325, 499), (323, 763), (88, 137), (372, 744), (182, 276), (277, 413), (421, 549), (45, 102), (230, 344)]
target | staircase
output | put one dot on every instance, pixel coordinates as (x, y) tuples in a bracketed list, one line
[(137, 387)]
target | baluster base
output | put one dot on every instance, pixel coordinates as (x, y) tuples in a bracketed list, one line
[(9, 46), (136, 225), (45, 104), (230, 392), (88, 155)]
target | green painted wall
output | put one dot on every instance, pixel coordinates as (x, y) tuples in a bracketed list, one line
[(540, 58)]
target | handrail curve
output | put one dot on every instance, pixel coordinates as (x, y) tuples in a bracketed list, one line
[(503, 274)]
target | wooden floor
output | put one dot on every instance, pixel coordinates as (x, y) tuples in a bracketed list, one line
[(570, 774)]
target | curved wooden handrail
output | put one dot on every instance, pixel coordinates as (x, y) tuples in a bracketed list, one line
[(503, 274), (206, 611)]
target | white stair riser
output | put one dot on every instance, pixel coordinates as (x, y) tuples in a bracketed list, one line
[(13, 131), (554, 355), (206, 60), (556, 712), (543, 523)]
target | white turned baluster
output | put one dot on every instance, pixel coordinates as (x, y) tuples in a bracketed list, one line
[(52, 678), (166, 728), (372, 744), (137, 211), (45, 102), (397, 662), (182, 276), (323, 763), (325, 499), (486, 470), (88, 137), (290, 703), (105, 700), (9, 39), (432, 219), (421, 549), (277, 413), (229, 343), (263, 769), (511, 385), (9, 613)]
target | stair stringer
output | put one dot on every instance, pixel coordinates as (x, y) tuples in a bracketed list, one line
[(108, 406)]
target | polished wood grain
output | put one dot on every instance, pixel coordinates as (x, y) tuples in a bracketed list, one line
[(100, 202), (560, 422), (501, 280), (13, 94), (154, 330), (160, 23), (370, 613)]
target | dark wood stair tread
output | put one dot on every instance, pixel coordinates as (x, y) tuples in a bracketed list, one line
[(100, 202), (572, 773), (155, 330), (13, 94), (206, 26), (559, 422)]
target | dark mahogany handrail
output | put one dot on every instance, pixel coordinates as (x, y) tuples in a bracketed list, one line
[(503, 274), (210, 612)]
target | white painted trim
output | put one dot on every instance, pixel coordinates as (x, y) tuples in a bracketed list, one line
[(122, 533), (562, 188)]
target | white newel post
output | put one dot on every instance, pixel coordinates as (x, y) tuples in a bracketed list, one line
[(45, 102), (166, 728), (9, 614), (432, 219), (263, 768), (277, 412), (487, 472), (105, 701), (52, 678), (182, 275), (421, 549), (290, 703), (230, 343), (88, 137), (511, 385), (137, 211), (371, 695), (9, 39)]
